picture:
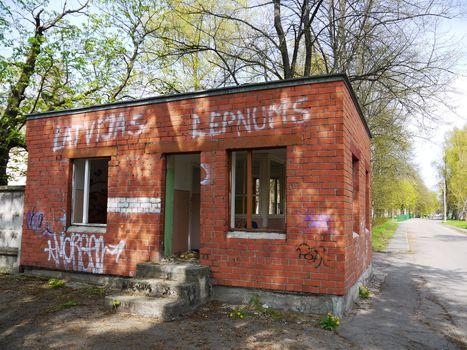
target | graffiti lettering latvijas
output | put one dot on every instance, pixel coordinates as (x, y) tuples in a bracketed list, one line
[(107, 128)]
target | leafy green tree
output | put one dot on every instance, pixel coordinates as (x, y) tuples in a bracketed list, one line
[(54, 63), (18, 69), (455, 158)]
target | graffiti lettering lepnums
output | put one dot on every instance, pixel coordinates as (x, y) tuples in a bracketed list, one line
[(81, 252), (252, 119), (314, 255), (106, 128)]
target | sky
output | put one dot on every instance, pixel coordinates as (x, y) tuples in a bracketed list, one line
[(428, 148)]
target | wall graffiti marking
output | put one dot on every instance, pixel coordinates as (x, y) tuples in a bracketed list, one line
[(207, 174), (106, 128), (321, 222), (81, 252), (287, 111), (34, 220), (315, 255)]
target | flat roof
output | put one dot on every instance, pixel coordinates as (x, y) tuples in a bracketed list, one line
[(210, 92)]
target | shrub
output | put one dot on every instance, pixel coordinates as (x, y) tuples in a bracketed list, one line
[(363, 292)]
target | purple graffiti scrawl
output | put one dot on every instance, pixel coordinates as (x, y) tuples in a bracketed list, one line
[(322, 222), (34, 220)]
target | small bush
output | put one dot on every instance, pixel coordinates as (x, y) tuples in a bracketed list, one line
[(363, 292), (56, 283), (329, 322)]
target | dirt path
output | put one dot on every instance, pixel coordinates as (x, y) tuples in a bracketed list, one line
[(417, 303)]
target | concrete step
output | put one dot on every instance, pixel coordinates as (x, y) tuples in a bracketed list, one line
[(166, 309), (160, 288), (182, 272)]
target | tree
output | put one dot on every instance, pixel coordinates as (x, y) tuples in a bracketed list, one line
[(18, 70), (455, 160), (55, 64), (391, 51)]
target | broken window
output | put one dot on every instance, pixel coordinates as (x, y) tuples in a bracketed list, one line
[(89, 195), (258, 189)]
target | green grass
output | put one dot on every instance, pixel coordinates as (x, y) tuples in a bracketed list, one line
[(382, 231), (457, 223)]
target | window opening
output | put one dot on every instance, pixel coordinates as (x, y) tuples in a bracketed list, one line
[(258, 189), (90, 191)]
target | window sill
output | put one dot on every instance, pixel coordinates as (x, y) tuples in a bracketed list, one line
[(86, 229), (256, 235)]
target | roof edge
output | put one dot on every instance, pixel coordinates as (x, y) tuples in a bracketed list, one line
[(208, 93)]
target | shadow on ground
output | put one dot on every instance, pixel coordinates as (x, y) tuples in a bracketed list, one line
[(402, 314)]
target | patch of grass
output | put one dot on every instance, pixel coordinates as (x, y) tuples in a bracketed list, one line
[(56, 283), (457, 223), (66, 305), (381, 233), (363, 292), (70, 303), (256, 305), (99, 291), (256, 308), (329, 322)]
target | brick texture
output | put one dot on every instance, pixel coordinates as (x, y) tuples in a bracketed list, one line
[(320, 253)]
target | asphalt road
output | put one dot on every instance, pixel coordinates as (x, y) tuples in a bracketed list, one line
[(421, 299)]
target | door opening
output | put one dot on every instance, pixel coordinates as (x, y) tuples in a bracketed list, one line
[(182, 204)]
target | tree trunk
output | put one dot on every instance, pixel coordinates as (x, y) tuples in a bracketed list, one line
[(4, 157)]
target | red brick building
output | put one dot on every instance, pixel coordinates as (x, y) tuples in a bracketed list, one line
[(270, 181)]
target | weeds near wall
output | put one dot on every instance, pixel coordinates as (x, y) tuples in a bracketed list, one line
[(238, 313), (56, 283), (364, 292), (329, 322)]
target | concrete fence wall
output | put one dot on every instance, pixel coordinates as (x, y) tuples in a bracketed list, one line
[(11, 221)]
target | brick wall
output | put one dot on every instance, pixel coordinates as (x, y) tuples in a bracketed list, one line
[(319, 125)]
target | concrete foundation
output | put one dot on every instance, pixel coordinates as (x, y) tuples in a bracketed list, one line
[(107, 281), (298, 302)]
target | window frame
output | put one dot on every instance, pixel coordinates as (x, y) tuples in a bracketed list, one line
[(250, 193), (86, 192)]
